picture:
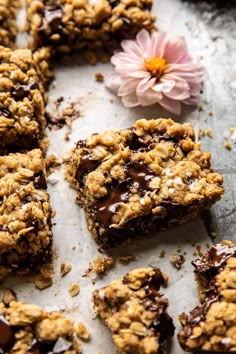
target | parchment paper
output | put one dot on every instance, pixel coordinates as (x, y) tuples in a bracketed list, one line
[(211, 35)]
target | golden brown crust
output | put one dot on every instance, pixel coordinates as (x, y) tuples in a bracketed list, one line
[(25, 214), (8, 28), (22, 119), (28, 328), (154, 170), (71, 25), (135, 312), (212, 325)]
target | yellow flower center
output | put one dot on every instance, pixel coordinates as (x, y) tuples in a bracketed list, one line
[(156, 66)]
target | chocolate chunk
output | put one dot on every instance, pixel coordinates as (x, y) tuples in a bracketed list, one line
[(40, 181), (85, 166), (40, 347), (21, 91), (215, 259), (52, 16), (6, 334), (138, 175)]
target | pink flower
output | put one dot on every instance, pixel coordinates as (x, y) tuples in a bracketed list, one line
[(155, 68)]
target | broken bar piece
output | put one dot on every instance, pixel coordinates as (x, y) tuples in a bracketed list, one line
[(22, 101), (27, 328), (68, 26), (8, 25), (141, 179), (25, 214), (136, 312), (211, 326)]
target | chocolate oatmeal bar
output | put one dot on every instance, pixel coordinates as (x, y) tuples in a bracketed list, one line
[(136, 312), (211, 326), (8, 25), (68, 26), (27, 328), (22, 100), (141, 179), (25, 214)]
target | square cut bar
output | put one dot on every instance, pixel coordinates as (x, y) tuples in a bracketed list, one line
[(25, 214), (211, 326), (22, 100), (8, 26), (68, 26), (27, 328), (135, 311), (141, 179)]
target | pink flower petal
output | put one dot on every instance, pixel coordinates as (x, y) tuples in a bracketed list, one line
[(171, 105), (176, 49), (180, 82)]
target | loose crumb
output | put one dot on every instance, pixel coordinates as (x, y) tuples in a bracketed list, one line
[(82, 332), (74, 289), (162, 254), (177, 260), (228, 145), (127, 259), (102, 264), (111, 100), (201, 108), (42, 282), (65, 269), (99, 77), (209, 133), (8, 296)]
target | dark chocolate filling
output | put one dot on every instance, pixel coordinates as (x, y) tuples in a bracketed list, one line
[(40, 181), (6, 335), (85, 166), (138, 175), (214, 260), (20, 91), (209, 266)]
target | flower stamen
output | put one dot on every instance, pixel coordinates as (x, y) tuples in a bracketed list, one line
[(156, 66)]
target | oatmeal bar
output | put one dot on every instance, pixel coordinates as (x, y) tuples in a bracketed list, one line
[(8, 25), (25, 214), (27, 328), (71, 25), (142, 179), (211, 326), (22, 100), (136, 312)]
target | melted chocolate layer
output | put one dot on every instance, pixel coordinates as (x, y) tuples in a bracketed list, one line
[(20, 91), (85, 166), (138, 175), (214, 260), (6, 334), (40, 181)]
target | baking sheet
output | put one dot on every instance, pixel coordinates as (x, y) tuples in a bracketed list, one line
[(211, 34)]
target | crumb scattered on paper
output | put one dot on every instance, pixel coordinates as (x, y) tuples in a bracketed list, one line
[(65, 269), (82, 332), (127, 259), (177, 260), (99, 77), (102, 264), (162, 254), (74, 289)]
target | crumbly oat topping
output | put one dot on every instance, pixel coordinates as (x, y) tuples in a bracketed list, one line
[(102, 264), (22, 120), (127, 259), (140, 179), (212, 325), (25, 214), (135, 311), (27, 328), (69, 26), (8, 28)]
